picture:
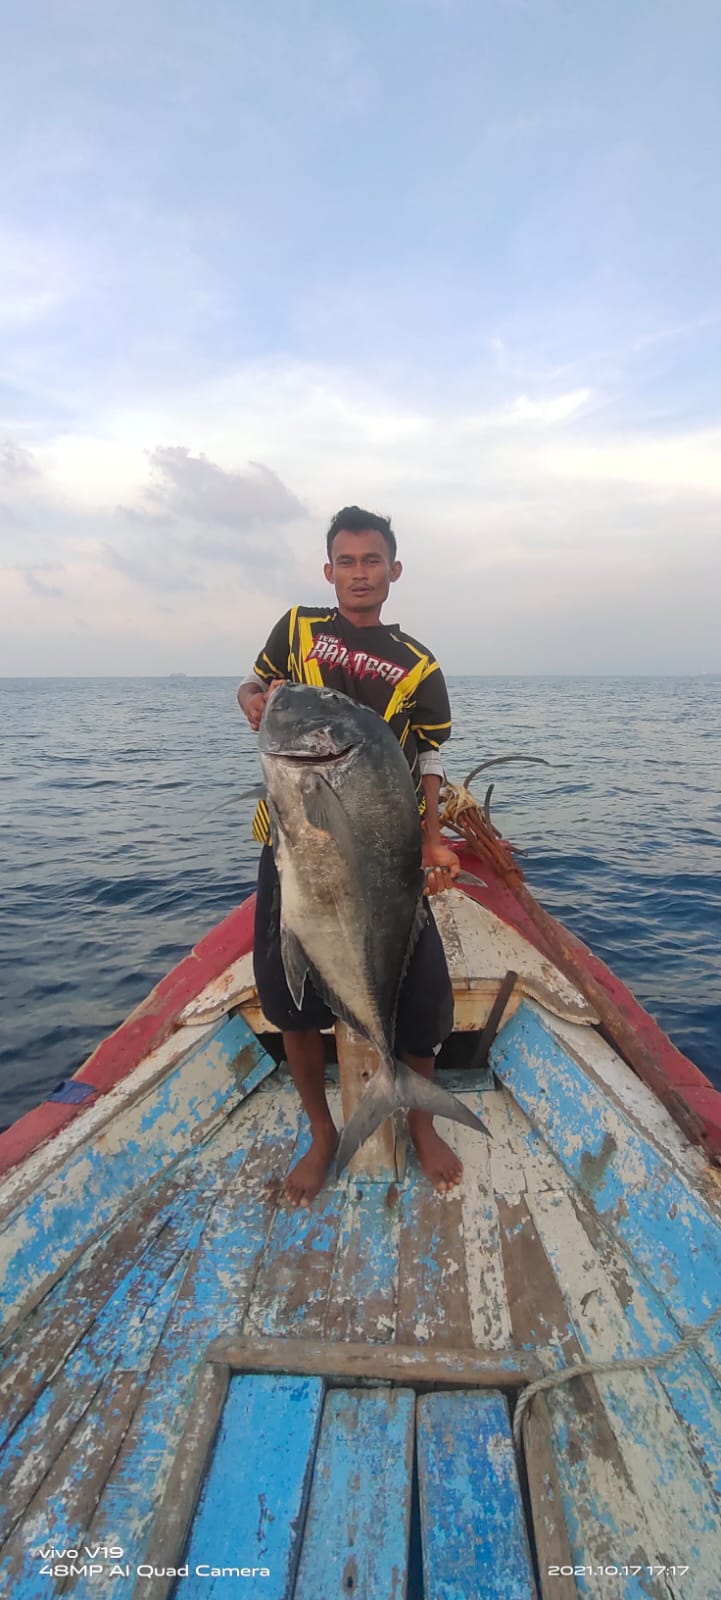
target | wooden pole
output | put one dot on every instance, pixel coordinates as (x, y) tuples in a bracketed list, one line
[(382, 1158)]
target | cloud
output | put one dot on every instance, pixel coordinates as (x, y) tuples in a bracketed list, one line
[(36, 583), (196, 512), (17, 463), (197, 489), (154, 567), (558, 408)]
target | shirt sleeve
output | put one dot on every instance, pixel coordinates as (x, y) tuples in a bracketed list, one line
[(431, 718), (274, 659)]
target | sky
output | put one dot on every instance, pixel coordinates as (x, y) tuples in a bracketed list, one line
[(456, 261)]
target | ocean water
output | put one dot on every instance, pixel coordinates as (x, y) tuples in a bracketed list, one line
[(113, 861)]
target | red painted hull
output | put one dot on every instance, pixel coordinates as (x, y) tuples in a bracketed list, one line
[(156, 1018)]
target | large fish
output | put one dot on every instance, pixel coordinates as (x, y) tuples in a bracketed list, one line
[(347, 842)]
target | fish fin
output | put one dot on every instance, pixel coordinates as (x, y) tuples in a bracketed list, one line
[(256, 793), (379, 1101), (295, 964), (406, 1090), (416, 1093), (276, 827), (326, 811), (420, 919)]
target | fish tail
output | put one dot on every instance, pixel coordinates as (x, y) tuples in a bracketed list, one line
[(416, 1093), (378, 1103), (403, 1090)]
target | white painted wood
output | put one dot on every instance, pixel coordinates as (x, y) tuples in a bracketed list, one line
[(29, 1174), (487, 1298), (230, 989), (491, 948), (480, 950), (678, 1507), (629, 1096), (201, 1076)]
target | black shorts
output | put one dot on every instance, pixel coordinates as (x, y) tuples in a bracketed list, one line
[(425, 1003)]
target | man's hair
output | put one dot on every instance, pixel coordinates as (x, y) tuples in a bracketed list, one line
[(352, 519)]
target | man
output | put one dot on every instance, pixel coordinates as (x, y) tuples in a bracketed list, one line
[(347, 647)]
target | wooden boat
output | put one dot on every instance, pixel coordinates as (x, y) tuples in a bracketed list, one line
[(204, 1392)]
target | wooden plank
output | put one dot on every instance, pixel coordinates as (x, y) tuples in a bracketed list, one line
[(17, 1185), (473, 1530), (491, 948), (382, 1157), (82, 1196), (666, 1228), (357, 1527), (43, 1342), (230, 989), (679, 1506), (294, 1276), (602, 1511), (42, 1345), (387, 1363), (214, 1294), (129, 1327), (444, 906), (432, 1287), (553, 1546), (66, 1499), (486, 1283), (603, 1286), (363, 1290), (169, 1533), (252, 1505)]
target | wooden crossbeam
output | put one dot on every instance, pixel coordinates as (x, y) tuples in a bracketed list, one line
[(389, 1363)]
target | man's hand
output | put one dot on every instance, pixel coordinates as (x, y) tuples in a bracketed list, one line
[(252, 700), (443, 863)]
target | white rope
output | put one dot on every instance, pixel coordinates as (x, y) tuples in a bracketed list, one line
[(589, 1368)]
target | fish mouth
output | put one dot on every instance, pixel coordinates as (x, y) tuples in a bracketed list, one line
[(321, 758)]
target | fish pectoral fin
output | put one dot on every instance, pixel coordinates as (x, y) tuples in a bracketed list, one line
[(416, 1093), (295, 964), (326, 811)]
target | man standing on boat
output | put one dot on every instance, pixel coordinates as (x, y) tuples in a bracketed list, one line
[(348, 648)]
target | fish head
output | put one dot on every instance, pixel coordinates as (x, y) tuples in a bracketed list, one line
[(307, 726)]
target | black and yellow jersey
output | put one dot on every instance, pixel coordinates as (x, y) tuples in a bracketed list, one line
[(381, 667)]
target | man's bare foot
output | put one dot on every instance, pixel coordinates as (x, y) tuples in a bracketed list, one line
[(306, 1178), (438, 1161)]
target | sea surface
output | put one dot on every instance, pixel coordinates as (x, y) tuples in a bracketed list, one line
[(113, 861)]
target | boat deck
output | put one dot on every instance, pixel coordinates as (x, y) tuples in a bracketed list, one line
[(104, 1383)]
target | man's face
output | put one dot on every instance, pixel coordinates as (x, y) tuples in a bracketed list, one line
[(361, 569)]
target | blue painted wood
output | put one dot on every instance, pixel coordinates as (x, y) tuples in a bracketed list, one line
[(673, 1241), (55, 1507), (252, 1505), (212, 1300), (364, 1286), (85, 1193), (472, 1525), (674, 1238), (356, 1533), (127, 1329), (290, 1292)]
